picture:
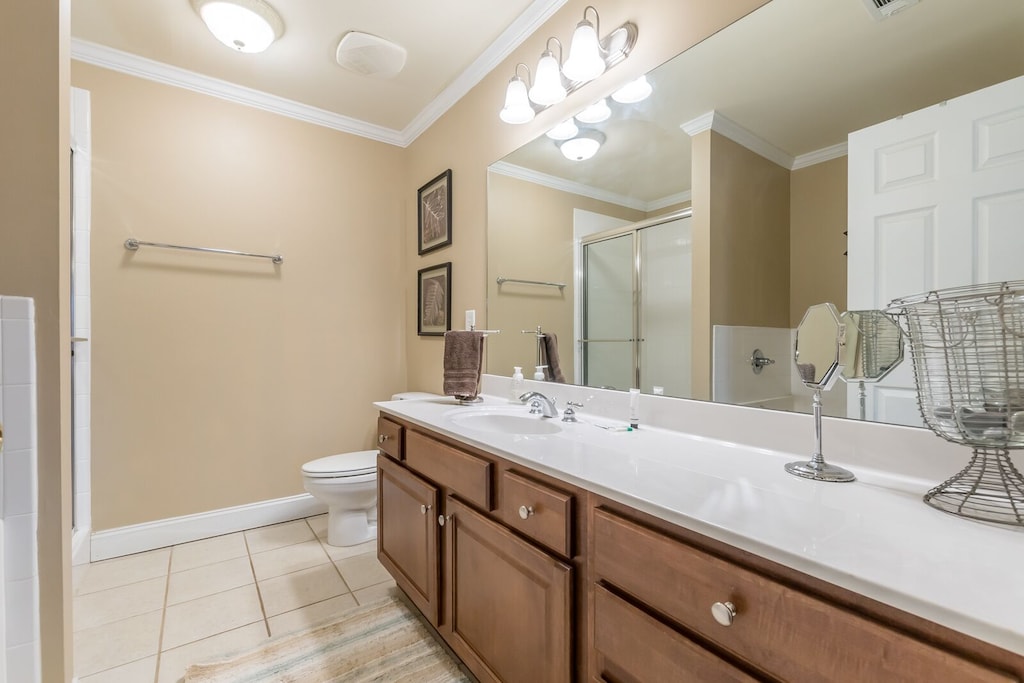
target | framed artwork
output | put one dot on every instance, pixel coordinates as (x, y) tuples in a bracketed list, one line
[(434, 213), (434, 304)]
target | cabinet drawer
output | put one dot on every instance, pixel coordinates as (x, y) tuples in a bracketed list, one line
[(538, 511), (389, 437), (630, 646), (788, 634), (465, 474)]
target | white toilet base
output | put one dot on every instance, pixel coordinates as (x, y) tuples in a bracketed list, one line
[(351, 527)]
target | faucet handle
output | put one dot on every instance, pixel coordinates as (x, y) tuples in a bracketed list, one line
[(570, 415)]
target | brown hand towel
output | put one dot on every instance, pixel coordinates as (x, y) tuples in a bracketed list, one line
[(463, 356), (806, 371), (552, 370)]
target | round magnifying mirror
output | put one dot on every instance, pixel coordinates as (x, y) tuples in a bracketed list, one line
[(819, 342)]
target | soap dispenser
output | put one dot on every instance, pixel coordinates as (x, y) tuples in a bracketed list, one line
[(538, 373), (517, 388)]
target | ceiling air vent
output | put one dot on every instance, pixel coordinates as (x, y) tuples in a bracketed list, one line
[(370, 55), (883, 9)]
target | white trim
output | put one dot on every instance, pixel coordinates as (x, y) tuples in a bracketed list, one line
[(133, 65), (556, 183), (677, 198), (820, 156), (513, 36), (80, 546), (164, 532)]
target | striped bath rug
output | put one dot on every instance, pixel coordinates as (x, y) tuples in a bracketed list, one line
[(382, 641)]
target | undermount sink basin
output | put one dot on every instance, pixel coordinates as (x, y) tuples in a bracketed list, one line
[(505, 422)]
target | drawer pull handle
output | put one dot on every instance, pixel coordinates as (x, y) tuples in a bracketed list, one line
[(525, 512), (423, 509), (724, 613), (381, 438)]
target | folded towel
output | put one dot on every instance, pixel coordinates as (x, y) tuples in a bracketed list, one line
[(549, 351), (806, 371), (463, 356)]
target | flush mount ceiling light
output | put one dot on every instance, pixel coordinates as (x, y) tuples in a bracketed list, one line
[(583, 146), (242, 25), (589, 57), (517, 107), (633, 92), (595, 113), (563, 131)]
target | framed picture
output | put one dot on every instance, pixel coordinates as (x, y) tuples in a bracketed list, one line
[(434, 213), (434, 303)]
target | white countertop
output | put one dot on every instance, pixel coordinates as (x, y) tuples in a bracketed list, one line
[(877, 540)]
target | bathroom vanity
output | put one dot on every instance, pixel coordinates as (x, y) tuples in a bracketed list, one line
[(548, 551)]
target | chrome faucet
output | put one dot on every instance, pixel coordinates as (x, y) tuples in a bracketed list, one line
[(540, 404)]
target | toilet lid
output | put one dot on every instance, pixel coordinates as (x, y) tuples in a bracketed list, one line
[(342, 465)]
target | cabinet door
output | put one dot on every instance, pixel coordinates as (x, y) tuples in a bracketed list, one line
[(407, 534), (509, 603)]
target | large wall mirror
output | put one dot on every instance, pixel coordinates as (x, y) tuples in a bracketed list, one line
[(715, 212)]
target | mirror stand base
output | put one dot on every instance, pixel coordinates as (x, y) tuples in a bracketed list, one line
[(820, 471)]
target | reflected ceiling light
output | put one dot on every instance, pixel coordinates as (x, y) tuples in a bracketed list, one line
[(548, 88), (583, 146), (589, 57), (517, 102), (633, 92), (242, 25), (563, 131), (595, 113)]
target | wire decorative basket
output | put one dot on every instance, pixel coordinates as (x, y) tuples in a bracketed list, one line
[(967, 345)]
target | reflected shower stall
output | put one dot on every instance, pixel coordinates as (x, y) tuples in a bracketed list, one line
[(635, 305)]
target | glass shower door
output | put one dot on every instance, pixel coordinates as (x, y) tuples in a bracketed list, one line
[(665, 316), (608, 320)]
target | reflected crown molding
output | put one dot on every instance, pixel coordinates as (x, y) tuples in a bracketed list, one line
[(716, 121), (124, 62), (556, 183)]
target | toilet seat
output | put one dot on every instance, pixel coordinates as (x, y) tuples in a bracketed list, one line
[(342, 465)]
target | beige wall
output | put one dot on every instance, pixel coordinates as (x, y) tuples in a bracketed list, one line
[(740, 244), (470, 137), (216, 377), (817, 243), (530, 237), (34, 262)]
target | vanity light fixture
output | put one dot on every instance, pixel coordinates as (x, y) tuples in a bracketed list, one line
[(633, 92), (595, 113), (517, 107), (583, 146), (243, 25), (548, 88), (564, 131), (589, 57)]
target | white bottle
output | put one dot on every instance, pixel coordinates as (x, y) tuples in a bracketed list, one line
[(538, 373), (516, 389)]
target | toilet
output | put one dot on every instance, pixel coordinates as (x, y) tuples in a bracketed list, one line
[(347, 484)]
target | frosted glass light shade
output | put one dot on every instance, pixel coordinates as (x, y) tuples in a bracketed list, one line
[(548, 88), (517, 107), (243, 25), (633, 92), (583, 146), (565, 130), (595, 113), (585, 62)]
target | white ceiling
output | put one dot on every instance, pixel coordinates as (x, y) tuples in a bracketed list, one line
[(451, 45)]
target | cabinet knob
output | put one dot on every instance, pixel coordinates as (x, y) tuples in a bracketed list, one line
[(443, 519), (424, 508), (724, 613), (525, 512), (381, 438)]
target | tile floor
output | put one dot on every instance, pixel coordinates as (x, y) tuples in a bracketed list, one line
[(146, 617)]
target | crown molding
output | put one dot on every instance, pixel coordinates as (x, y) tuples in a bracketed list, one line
[(556, 183), (133, 65), (141, 67), (512, 37), (677, 198), (820, 156)]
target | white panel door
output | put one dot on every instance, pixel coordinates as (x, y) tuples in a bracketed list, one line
[(936, 199)]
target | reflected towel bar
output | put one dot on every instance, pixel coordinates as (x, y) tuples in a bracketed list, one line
[(503, 280), (133, 244)]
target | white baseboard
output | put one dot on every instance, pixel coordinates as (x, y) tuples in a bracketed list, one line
[(80, 546), (162, 533)]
